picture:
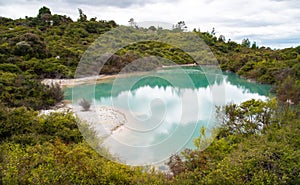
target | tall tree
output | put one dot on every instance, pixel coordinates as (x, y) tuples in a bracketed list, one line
[(180, 26), (82, 16), (42, 11), (132, 22), (246, 43), (44, 16)]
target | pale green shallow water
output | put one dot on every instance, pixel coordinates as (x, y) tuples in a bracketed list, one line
[(165, 109)]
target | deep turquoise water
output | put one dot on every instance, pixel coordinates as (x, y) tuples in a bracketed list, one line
[(165, 109)]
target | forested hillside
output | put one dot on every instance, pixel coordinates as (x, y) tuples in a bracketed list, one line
[(256, 143)]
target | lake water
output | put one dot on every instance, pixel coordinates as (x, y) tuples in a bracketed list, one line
[(164, 109)]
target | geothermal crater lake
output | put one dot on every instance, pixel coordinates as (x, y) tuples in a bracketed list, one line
[(159, 113)]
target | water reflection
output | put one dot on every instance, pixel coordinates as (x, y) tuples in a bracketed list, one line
[(165, 111)]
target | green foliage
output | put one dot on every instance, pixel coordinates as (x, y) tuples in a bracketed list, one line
[(15, 122), (252, 116), (58, 163), (30, 45), (42, 11), (270, 155), (288, 91), (153, 48), (47, 68), (19, 90), (26, 127), (12, 68), (54, 40)]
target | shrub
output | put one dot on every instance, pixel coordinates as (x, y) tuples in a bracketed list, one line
[(56, 92), (85, 104)]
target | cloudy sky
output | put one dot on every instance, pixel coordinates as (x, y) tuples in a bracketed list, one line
[(273, 23)]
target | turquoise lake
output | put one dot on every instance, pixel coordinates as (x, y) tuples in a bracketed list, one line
[(165, 109)]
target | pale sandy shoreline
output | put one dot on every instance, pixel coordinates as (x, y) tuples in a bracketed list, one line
[(104, 120), (87, 80), (76, 81), (97, 79)]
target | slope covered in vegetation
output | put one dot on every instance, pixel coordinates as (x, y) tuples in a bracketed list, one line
[(257, 142)]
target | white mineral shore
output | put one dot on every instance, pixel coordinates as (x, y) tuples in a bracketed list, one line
[(73, 82), (104, 120), (86, 80), (98, 78)]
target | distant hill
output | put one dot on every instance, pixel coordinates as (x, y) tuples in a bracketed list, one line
[(51, 46)]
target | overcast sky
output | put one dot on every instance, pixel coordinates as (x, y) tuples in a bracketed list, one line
[(274, 23)]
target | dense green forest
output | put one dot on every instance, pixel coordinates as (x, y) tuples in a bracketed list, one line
[(257, 142)]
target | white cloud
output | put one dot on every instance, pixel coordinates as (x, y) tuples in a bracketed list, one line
[(273, 23)]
